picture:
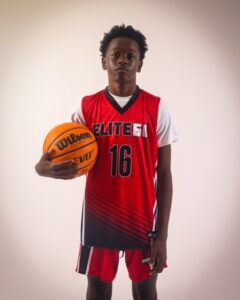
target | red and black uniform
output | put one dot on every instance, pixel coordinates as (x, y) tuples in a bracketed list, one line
[(120, 203), (120, 197)]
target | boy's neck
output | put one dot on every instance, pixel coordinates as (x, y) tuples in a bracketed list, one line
[(122, 90)]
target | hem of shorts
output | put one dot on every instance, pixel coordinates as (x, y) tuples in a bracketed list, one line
[(135, 279), (102, 278), (140, 279)]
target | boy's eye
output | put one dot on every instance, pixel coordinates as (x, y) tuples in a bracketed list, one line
[(115, 54), (130, 56)]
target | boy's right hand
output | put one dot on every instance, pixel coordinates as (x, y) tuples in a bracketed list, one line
[(64, 170)]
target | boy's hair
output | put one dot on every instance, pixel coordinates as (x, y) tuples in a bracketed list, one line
[(123, 31)]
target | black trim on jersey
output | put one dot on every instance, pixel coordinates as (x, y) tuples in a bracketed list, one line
[(131, 101)]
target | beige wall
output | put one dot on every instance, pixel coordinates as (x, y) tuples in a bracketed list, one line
[(49, 60)]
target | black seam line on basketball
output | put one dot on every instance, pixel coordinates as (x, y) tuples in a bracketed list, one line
[(74, 150), (87, 165), (63, 133)]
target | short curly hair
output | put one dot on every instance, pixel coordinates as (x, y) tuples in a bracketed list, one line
[(124, 31)]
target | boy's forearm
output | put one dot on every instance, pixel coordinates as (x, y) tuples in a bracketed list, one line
[(164, 198)]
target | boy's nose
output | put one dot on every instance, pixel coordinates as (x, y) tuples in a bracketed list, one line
[(122, 59)]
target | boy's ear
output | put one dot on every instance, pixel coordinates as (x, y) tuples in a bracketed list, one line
[(104, 63), (140, 66)]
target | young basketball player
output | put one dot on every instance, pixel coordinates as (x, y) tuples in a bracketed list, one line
[(128, 194)]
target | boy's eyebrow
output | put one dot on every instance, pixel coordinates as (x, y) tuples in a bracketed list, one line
[(116, 48)]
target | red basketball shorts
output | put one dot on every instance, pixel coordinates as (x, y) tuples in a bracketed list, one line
[(94, 261)]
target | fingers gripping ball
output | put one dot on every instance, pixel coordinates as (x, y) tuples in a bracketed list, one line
[(72, 141)]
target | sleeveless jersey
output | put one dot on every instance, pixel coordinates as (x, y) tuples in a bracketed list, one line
[(120, 203)]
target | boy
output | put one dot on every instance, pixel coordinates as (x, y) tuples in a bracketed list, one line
[(128, 194)]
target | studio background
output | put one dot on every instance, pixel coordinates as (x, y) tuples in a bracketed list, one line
[(49, 60)]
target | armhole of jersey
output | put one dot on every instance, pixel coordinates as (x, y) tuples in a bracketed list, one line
[(82, 118), (166, 133), (77, 115), (158, 122)]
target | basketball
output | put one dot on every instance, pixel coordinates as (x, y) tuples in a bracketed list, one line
[(72, 141)]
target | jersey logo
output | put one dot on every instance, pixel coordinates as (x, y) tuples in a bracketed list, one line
[(120, 128)]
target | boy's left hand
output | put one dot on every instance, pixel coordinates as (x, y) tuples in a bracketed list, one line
[(158, 256)]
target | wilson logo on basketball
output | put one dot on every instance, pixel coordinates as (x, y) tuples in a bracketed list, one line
[(71, 139)]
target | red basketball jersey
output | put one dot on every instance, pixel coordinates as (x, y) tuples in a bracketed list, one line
[(120, 205)]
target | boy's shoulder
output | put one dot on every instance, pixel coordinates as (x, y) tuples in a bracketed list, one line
[(150, 95), (89, 101), (93, 96)]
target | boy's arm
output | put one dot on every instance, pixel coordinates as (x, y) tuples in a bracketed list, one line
[(164, 199)]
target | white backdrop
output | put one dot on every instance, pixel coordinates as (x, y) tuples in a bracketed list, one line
[(49, 60)]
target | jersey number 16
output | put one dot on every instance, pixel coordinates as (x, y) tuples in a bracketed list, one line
[(121, 160)]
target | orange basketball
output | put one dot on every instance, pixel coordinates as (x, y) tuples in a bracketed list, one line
[(72, 141)]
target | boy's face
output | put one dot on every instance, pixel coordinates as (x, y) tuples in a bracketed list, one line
[(122, 60)]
